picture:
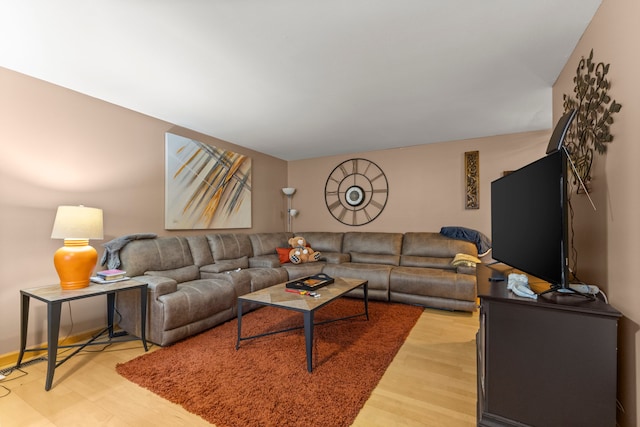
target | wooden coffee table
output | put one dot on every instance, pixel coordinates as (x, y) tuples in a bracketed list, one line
[(277, 296)]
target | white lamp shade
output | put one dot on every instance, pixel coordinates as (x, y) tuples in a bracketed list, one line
[(77, 222), (289, 191)]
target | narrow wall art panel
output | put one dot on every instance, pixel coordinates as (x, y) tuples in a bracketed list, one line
[(472, 178), (205, 187)]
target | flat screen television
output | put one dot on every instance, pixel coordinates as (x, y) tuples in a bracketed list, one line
[(529, 219), (560, 131)]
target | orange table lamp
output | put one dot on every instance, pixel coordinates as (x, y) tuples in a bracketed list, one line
[(76, 260)]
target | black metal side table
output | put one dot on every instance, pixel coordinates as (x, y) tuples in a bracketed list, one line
[(54, 296)]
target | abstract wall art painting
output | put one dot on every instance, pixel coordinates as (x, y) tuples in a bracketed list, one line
[(205, 187)]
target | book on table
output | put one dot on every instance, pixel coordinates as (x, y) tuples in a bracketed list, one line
[(112, 274)]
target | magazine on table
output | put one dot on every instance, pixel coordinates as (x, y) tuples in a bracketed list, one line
[(101, 281)]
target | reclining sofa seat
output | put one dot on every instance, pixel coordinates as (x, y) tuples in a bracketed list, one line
[(180, 302), (243, 260), (427, 277), (371, 257)]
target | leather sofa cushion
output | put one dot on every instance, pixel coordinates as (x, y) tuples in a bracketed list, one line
[(435, 245), (157, 285), (265, 261), (162, 253), (323, 241), (200, 250), (433, 282), (463, 269), (424, 261), (196, 300), (376, 274), (433, 250), (266, 243), (226, 265), (296, 271), (334, 257), (264, 277), (360, 257), (229, 246), (183, 274), (372, 243)]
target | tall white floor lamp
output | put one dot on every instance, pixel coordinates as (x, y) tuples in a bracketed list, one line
[(289, 191)]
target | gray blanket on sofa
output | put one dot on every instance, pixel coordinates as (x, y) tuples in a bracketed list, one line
[(483, 243), (111, 256)]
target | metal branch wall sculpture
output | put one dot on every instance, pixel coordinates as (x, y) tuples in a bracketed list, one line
[(590, 129)]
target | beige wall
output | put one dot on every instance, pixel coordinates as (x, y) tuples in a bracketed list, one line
[(607, 239), (426, 183), (61, 147)]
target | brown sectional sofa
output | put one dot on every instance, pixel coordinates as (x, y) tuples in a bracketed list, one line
[(194, 281)]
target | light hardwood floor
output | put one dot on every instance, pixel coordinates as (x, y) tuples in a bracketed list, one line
[(431, 382)]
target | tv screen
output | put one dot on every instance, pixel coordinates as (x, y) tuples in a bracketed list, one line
[(529, 219)]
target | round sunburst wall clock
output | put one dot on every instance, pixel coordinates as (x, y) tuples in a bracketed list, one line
[(356, 192)]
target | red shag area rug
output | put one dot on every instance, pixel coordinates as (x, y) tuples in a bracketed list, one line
[(265, 382)]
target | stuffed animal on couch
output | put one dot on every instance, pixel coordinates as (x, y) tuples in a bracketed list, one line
[(301, 252)]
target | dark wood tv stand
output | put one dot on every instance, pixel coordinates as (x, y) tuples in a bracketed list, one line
[(545, 362)]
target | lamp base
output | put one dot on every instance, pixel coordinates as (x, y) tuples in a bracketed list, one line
[(74, 263)]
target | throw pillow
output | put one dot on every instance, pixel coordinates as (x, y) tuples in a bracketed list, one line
[(283, 254), (465, 260)]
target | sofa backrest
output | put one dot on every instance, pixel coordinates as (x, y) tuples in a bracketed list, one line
[(433, 250), (323, 241), (373, 248), (266, 243), (160, 254), (200, 250), (229, 251)]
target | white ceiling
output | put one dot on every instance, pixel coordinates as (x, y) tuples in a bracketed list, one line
[(307, 78)]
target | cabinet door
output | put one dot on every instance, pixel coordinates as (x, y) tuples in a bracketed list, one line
[(550, 367), (480, 365)]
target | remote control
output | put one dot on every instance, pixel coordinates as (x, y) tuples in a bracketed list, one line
[(585, 289)]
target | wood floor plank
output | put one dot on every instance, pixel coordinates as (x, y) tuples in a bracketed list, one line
[(431, 382)]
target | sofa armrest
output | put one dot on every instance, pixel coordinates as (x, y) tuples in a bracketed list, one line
[(158, 285), (463, 269)]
